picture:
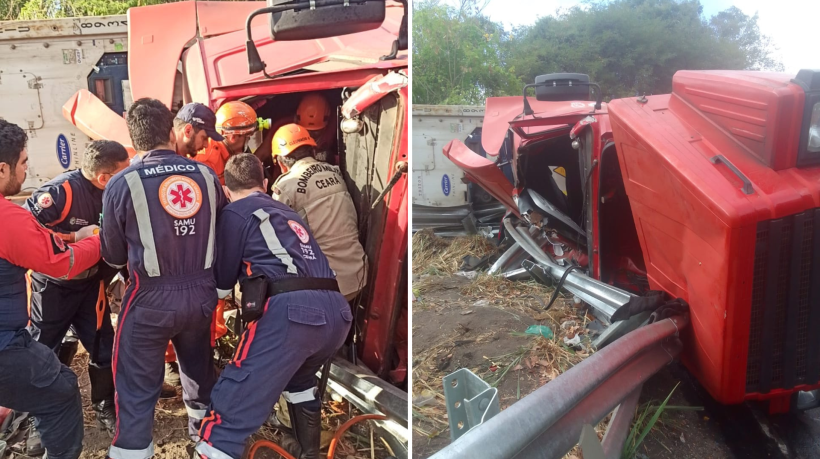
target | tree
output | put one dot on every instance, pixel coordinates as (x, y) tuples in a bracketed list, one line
[(459, 55), (636, 46), (628, 47)]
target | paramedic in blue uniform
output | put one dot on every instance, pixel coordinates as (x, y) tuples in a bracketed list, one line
[(159, 217), (66, 204), (297, 319), (31, 378)]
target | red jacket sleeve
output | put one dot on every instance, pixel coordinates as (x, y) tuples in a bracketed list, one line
[(25, 243)]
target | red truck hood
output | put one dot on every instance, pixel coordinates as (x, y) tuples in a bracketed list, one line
[(209, 39)]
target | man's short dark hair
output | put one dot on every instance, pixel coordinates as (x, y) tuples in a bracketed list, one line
[(179, 124), (149, 124), (300, 153), (103, 157), (13, 141), (244, 172)]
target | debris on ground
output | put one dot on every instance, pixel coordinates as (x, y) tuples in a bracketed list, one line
[(479, 323), (171, 439)]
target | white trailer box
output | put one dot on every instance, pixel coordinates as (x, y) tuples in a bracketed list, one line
[(42, 64), (437, 182)]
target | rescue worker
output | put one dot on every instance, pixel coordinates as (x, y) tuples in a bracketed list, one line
[(66, 204), (31, 378), (314, 115), (159, 216), (194, 127), (297, 318), (236, 122), (317, 191)]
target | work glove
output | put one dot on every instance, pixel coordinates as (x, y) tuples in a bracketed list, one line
[(85, 232)]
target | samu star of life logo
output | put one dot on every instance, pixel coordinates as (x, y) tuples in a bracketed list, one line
[(300, 231), (180, 196)]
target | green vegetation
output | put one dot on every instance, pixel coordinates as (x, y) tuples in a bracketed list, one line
[(628, 47)]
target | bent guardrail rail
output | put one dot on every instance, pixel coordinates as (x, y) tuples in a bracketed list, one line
[(548, 422)]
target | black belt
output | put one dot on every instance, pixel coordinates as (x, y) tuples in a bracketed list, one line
[(295, 284)]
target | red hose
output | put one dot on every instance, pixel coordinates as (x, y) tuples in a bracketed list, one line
[(268, 444), (331, 450)]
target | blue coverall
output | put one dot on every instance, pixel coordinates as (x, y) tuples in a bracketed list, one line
[(159, 218), (297, 332), (66, 204)]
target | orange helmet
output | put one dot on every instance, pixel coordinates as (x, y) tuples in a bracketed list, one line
[(313, 112), (235, 117), (290, 137)]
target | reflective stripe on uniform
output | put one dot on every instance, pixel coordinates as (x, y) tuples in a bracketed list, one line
[(210, 452), (119, 453), (300, 397), (70, 263), (143, 223), (274, 245), (194, 413), (209, 185)]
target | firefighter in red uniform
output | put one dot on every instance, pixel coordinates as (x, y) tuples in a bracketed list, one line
[(31, 377)]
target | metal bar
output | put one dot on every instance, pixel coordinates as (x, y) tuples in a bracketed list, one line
[(556, 441), (509, 432), (501, 264), (603, 297), (371, 395), (517, 274), (619, 425), (793, 303), (385, 397), (770, 305)]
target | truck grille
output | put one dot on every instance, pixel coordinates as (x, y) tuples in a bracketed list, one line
[(783, 353)]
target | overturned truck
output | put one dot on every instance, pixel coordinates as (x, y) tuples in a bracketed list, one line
[(351, 51), (709, 194)]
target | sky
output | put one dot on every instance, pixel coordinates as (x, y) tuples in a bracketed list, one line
[(792, 24)]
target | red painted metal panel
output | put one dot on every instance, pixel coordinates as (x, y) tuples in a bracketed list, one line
[(227, 67), (157, 36), (387, 297), (483, 172), (96, 120), (761, 112), (196, 81), (217, 18), (696, 227), (500, 112)]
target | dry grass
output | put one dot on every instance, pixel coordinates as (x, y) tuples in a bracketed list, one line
[(434, 261), (439, 256)]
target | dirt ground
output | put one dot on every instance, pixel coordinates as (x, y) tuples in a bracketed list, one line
[(171, 428), (171, 439), (479, 323)]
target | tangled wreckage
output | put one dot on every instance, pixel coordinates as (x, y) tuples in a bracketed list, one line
[(686, 222)]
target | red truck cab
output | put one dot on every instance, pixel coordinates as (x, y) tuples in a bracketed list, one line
[(196, 52), (710, 193)]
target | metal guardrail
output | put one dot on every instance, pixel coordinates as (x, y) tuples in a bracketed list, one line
[(548, 422)]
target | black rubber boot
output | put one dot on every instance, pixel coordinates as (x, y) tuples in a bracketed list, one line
[(34, 446), (307, 428), (102, 397), (67, 351)]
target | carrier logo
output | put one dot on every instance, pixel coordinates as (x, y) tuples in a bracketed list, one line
[(180, 196), (300, 231), (63, 151), (445, 185)]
